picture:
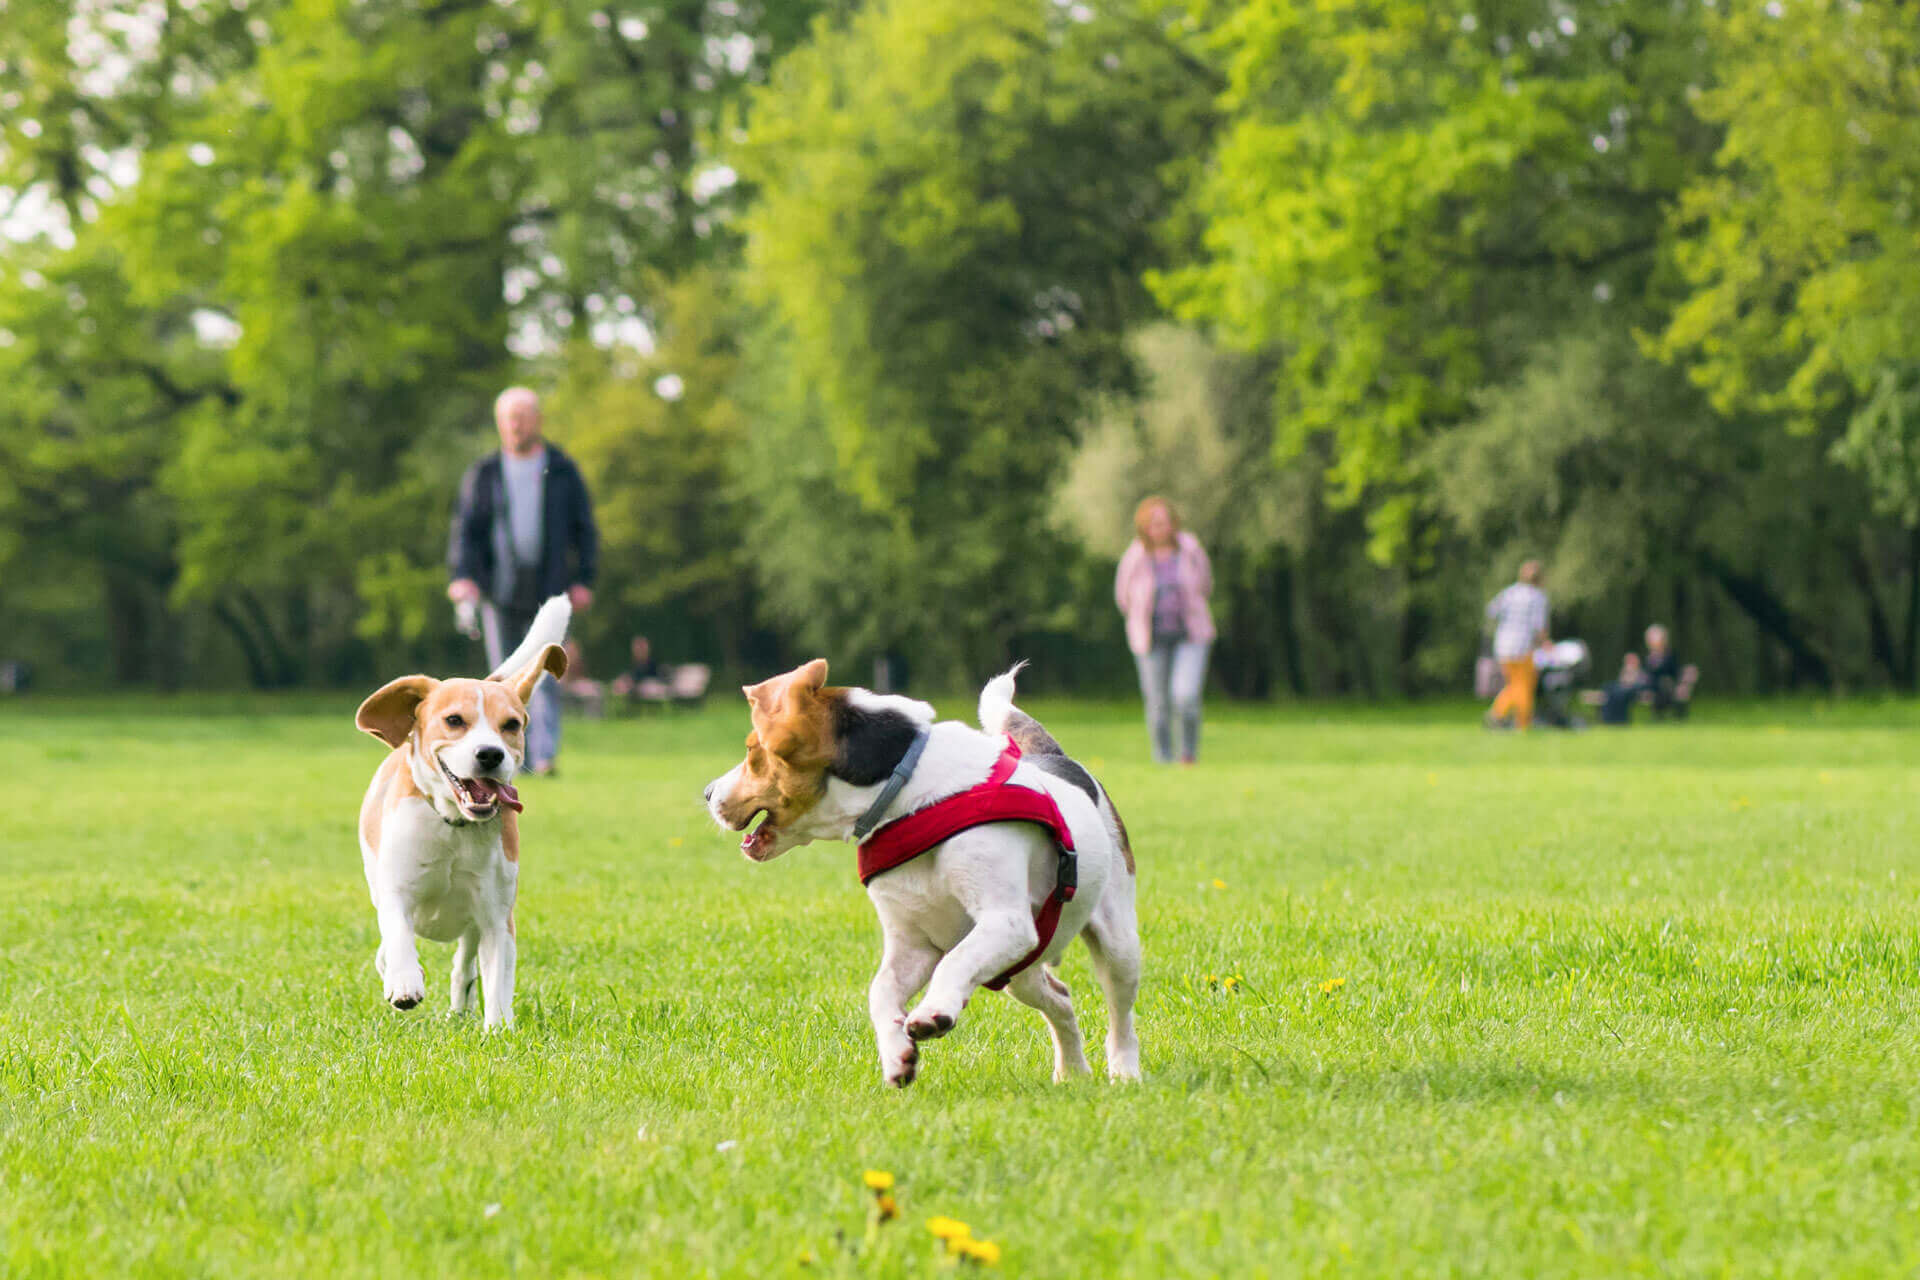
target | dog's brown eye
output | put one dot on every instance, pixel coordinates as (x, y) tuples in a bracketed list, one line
[(456, 722), (510, 726)]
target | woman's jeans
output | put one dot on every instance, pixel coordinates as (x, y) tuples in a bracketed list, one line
[(1172, 674)]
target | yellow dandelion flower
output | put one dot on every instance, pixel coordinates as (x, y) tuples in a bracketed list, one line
[(806, 1257), (1825, 776), (675, 842), (1332, 985), (1219, 883), (949, 1228), (1743, 803), (1232, 982), (878, 1180), (984, 1252), (886, 1207)]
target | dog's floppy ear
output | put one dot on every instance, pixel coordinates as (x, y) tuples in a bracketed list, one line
[(388, 714), (551, 660), (769, 696)]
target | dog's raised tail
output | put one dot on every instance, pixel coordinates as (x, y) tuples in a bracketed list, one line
[(996, 700), (549, 627)]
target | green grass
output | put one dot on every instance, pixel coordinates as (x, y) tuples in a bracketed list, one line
[(1618, 1003)]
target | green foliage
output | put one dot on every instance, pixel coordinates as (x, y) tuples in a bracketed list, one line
[(956, 202), (658, 438), (1801, 245), (1401, 187)]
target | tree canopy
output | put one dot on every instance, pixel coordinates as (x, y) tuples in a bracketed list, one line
[(870, 322)]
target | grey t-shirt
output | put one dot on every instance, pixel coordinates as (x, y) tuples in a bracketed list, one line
[(525, 480)]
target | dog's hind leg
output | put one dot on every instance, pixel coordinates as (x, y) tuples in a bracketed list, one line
[(466, 971), (1113, 940), (1038, 988), (497, 955), (905, 964)]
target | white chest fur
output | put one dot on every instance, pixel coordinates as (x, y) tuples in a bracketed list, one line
[(450, 879)]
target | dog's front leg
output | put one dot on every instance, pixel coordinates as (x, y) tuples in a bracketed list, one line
[(399, 961), (998, 940), (904, 967), (497, 955)]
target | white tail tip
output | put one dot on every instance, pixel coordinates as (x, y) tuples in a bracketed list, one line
[(549, 627), (996, 700)]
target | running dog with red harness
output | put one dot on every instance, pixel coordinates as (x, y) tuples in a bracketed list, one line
[(985, 854)]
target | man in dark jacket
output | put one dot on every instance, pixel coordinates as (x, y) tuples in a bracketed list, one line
[(522, 532)]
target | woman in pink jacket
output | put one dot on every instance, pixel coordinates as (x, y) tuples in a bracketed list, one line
[(1162, 589)]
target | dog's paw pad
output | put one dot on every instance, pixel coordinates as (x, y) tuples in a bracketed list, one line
[(930, 1027), (903, 1072), (404, 1001)]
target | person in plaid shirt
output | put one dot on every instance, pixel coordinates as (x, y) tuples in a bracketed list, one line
[(1519, 617)]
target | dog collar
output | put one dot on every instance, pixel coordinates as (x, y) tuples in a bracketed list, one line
[(891, 791)]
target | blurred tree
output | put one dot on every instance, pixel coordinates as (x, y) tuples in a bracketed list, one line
[(957, 201), (1801, 246), (1405, 193), (659, 438)]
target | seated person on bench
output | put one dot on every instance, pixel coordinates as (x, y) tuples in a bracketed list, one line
[(1669, 686), (644, 679), (1615, 699), (575, 688)]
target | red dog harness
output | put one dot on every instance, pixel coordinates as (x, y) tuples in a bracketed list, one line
[(995, 800)]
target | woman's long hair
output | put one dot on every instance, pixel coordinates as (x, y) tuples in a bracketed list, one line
[(1145, 509)]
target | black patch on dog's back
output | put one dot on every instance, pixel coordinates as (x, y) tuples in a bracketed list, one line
[(870, 743), (1032, 736), (1044, 752), (1066, 769)]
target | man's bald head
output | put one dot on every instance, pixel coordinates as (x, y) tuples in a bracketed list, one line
[(516, 412)]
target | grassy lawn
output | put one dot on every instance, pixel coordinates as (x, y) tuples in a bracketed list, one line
[(1616, 1003)]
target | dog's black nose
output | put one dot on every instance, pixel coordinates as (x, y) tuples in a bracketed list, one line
[(489, 757), (707, 795)]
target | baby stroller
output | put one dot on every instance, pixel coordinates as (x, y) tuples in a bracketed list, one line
[(1561, 665)]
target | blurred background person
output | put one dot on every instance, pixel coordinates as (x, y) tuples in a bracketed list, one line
[(523, 531), (643, 678), (1162, 586), (1519, 618)]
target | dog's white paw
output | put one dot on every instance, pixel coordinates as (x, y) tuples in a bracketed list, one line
[(900, 1072), (406, 986)]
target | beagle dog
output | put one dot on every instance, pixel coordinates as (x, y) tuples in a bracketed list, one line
[(967, 905), (439, 827)]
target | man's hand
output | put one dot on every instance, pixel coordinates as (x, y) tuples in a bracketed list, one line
[(463, 589), (581, 596)]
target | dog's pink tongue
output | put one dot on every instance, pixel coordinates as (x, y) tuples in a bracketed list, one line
[(485, 789)]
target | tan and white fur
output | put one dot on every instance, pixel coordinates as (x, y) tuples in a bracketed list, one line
[(963, 912), (439, 831)]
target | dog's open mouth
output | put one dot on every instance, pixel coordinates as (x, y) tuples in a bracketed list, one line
[(758, 842), (481, 798)]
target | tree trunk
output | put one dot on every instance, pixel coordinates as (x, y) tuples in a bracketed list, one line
[(1774, 619), (129, 626), (1908, 659), (1289, 626), (1879, 632)]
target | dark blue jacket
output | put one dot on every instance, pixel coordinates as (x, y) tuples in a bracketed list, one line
[(571, 543)]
